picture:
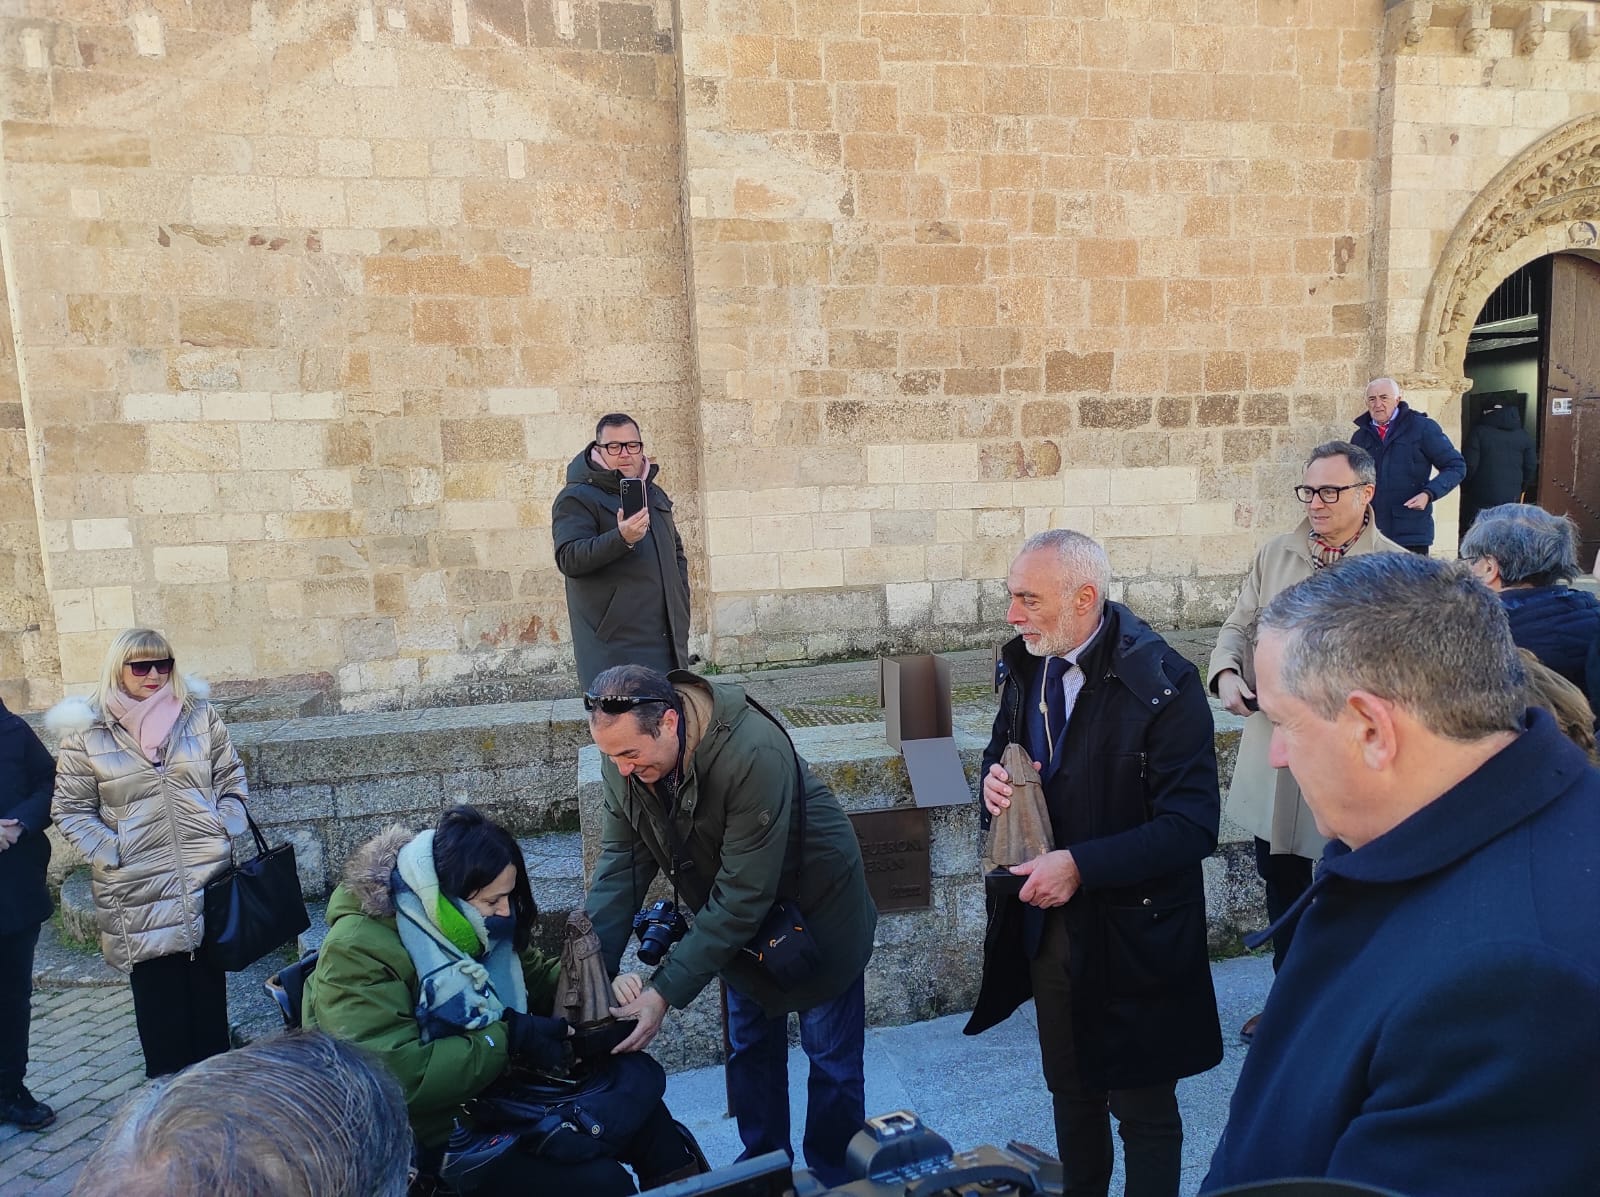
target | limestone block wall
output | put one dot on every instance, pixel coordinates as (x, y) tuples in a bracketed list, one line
[(316, 299), (312, 300), (962, 271), (1490, 119), (29, 676)]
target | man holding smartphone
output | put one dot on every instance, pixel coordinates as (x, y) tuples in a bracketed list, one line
[(627, 576)]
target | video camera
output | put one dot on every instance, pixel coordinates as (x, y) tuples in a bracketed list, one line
[(892, 1156)]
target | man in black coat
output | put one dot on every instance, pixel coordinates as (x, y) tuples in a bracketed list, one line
[(1407, 447), (27, 780), (1502, 463), (627, 579), (1108, 934)]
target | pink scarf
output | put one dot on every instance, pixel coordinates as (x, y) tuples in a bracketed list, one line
[(148, 720)]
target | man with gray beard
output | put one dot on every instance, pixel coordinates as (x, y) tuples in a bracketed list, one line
[(1108, 932)]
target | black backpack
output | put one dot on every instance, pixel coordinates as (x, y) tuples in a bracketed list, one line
[(593, 1115)]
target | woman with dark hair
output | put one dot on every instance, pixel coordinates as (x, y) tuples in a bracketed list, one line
[(429, 964)]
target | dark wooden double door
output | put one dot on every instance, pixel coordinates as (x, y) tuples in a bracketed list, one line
[(1569, 440)]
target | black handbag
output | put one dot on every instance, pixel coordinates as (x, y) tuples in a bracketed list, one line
[(254, 907), (782, 946)]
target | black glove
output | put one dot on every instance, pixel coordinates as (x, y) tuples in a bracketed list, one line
[(537, 1041)]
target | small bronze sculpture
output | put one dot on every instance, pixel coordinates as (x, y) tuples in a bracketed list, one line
[(1021, 831), (583, 991)]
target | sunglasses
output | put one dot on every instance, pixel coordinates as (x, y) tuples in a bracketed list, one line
[(616, 704), (143, 668)]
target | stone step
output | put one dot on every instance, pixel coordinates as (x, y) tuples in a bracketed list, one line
[(60, 963), (76, 906)]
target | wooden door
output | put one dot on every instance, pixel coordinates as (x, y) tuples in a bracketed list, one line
[(1569, 441)]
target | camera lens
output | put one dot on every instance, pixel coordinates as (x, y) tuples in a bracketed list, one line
[(653, 944)]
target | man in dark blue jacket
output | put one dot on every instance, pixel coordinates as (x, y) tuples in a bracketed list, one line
[(1436, 1029), (1108, 933), (27, 780), (1407, 447)]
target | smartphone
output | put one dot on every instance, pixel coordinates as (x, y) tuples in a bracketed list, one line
[(1251, 704), (632, 497)]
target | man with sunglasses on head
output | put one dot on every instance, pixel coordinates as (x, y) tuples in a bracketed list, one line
[(627, 578), (705, 786), (1336, 491)]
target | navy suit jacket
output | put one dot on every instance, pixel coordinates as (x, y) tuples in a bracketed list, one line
[(1436, 1026)]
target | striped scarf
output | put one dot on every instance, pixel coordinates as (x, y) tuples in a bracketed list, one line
[(1324, 554)]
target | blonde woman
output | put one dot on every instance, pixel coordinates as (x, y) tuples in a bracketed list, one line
[(149, 788)]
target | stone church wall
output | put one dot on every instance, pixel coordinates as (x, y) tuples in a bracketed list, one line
[(312, 301)]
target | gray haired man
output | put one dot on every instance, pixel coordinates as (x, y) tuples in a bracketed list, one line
[(300, 1115), (1108, 931), (1436, 1029), (1336, 491)]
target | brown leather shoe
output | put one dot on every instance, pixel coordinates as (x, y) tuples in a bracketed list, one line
[(1248, 1031)]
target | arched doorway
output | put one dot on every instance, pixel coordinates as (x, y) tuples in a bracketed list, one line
[(1533, 359), (1534, 230)]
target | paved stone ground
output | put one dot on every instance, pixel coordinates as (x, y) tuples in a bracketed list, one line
[(988, 1088), (84, 1061)]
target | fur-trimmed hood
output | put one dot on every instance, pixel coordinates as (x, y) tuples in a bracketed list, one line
[(79, 713), (367, 873)]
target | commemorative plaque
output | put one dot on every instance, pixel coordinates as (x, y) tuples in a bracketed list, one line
[(894, 849)]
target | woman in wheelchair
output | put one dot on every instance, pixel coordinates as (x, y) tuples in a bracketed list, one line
[(428, 964)]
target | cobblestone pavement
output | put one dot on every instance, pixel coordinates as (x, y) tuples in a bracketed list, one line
[(83, 1060)]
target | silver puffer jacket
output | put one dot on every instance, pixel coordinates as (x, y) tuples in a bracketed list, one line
[(153, 835)]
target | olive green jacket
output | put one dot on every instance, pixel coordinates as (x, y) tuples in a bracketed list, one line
[(734, 826), (365, 989)]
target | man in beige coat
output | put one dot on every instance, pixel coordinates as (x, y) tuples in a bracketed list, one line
[(1337, 489)]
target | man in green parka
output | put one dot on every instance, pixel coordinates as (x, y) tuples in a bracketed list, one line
[(701, 783)]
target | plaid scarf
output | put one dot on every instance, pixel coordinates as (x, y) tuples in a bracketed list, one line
[(1324, 554)]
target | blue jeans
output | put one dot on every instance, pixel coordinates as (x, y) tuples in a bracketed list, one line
[(834, 1038)]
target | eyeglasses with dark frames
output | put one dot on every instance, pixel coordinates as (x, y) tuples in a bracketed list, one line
[(618, 448), (142, 668), (1328, 494), (616, 704)]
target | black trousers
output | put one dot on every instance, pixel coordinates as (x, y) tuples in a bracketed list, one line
[(1286, 877), (1147, 1119), (656, 1151), (16, 997), (180, 1006)]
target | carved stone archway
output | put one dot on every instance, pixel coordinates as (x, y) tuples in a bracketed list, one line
[(1546, 200)]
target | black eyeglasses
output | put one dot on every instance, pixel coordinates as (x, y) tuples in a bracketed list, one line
[(616, 704), (1328, 494), (618, 448), (143, 668)]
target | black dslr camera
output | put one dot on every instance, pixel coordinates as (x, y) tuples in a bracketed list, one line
[(892, 1156), (658, 926)]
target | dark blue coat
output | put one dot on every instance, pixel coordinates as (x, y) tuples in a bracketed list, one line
[(27, 780), (1136, 801), (1414, 447), (1436, 1029), (1561, 627)]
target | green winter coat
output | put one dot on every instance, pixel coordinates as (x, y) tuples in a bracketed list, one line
[(364, 990), (734, 825)]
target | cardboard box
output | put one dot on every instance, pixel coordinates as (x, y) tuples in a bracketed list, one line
[(914, 691)]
